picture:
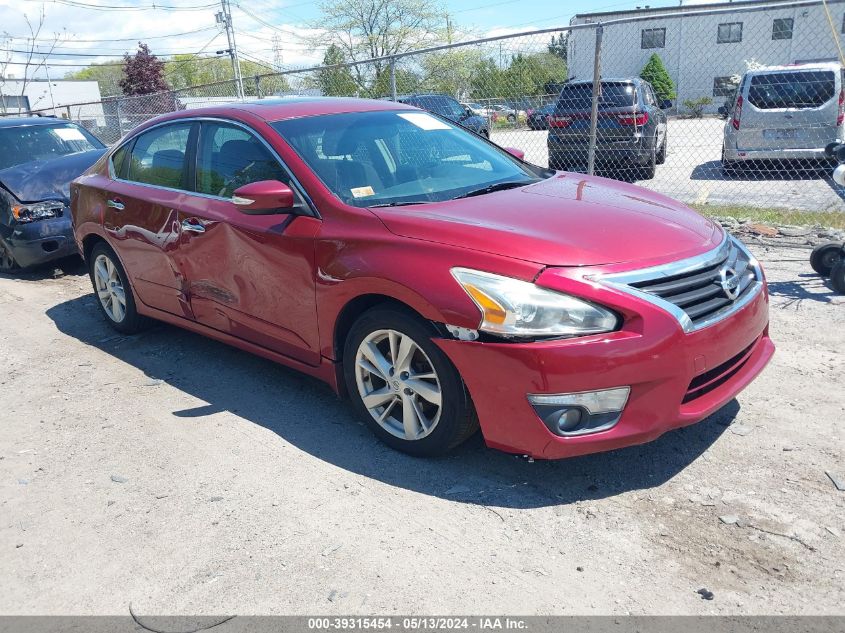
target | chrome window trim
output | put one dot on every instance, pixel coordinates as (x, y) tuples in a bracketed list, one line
[(199, 119), (621, 281)]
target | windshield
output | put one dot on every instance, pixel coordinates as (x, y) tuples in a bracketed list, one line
[(796, 89), (26, 143), (399, 157), (579, 97)]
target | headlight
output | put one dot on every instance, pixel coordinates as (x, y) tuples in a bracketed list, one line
[(510, 307), (37, 210)]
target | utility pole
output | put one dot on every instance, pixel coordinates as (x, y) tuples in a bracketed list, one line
[(277, 53), (224, 17)]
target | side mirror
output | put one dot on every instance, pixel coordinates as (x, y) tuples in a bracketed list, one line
[(665, 104), (513, 151), (264, 196)]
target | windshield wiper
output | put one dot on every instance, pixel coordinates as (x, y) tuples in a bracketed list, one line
[(499, 186), (396, 204)]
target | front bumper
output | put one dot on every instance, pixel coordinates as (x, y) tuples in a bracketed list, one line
[(42, 241), (651, 354)]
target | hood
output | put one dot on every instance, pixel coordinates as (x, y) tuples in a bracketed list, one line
[(47, 179), (566, 220)]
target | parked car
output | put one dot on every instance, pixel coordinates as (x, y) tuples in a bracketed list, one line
[(39, 156), (631, 130), (507, 112), (785, 112), (477, 109), (539, 119), (433, 277), (447, 107)]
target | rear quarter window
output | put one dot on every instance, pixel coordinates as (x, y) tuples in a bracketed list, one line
[(797, 89)]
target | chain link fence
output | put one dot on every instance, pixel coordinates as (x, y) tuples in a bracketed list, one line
[(740, 104)]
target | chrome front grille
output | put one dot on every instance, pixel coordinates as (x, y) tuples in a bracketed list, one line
[(699, 291)]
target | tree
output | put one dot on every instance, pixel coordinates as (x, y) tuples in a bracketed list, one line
[(143, 73), (451, 71), (107, 76), (336, 80), (196, 70), (655, 73), (560, 45), (366, 29)]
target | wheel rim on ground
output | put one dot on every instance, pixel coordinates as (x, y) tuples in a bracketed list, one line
[(398, 384), (109, 288)]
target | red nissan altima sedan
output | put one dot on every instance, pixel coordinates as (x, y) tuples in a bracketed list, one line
[(437, 280)]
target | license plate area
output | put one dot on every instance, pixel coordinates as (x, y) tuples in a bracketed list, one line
[(781, 134)]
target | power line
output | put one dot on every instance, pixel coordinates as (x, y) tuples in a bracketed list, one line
[(111, 7), (122, 39), (267, 24)]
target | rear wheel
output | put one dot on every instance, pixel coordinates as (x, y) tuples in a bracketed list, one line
[(111, 285), (661, 155), (403, 386), (837, 277), (511, 118), (648, 171), (730, 168), (825, 256), (7, 260)]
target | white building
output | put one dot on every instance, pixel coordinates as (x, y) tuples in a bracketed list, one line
[(53, 98), (704, 45)]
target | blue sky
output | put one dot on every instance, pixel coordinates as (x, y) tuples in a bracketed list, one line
[(262, 25)]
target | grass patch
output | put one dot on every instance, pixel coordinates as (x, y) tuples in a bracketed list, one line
[(830, 219)]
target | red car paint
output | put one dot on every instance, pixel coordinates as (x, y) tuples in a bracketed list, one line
[(287, 287)]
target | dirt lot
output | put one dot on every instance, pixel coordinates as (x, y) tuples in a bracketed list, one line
[(182, 476)]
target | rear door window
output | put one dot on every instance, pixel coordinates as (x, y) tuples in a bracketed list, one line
[(579, 97), (158, 156), (795, 89)]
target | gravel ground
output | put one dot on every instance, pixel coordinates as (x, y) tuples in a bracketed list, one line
[(692, 171), (183, 476)]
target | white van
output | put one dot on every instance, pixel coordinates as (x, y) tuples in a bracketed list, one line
[(785, 112)]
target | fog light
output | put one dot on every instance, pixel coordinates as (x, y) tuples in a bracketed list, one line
[(569, 414)]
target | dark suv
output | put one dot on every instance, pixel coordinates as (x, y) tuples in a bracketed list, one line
[(631, 128), (449, 108), (39, 156)]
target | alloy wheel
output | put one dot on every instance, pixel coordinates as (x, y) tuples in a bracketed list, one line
[(398, 384), (109, 288)]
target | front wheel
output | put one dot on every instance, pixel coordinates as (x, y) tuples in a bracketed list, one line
[(648, 171), (7, 260), (661, 155), (825, 256), (404, 387), (111, 285)]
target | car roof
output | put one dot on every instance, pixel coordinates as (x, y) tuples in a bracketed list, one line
[(607, 80), (834, 66), (417, 95), (281, 108), (31, 120)]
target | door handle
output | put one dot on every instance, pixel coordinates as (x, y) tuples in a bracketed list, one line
[(115, 204), (193, 226)]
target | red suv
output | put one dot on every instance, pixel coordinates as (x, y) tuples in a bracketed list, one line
[(436, 279)]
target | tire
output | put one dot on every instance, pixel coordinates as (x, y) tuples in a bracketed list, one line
[(511, 118), (110, 284), (485, 133), (837, 277), (401, 408), (825, 256), (730, 168), (7, 260), (661, 155), (648, 171)]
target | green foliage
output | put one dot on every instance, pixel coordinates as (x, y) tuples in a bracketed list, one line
[(696, 106), (107, 77), (525, 76), (451, 71), (655, 73), (336, 82), (406, 82), (559, 45), (195, 70)]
